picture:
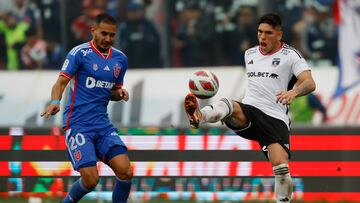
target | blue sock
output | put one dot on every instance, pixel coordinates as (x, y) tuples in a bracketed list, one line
[(77, 191), (121, 191)]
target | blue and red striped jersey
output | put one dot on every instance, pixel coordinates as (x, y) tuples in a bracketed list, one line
[(92, 75)]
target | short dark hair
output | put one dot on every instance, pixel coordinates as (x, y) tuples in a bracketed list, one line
[(105, 18), (272, 19)]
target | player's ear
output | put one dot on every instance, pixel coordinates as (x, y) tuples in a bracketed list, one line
[(279, 35), (92, 29)]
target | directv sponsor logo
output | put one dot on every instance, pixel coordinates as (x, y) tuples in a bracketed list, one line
[(92, 82), (86, 52), (262, 75)]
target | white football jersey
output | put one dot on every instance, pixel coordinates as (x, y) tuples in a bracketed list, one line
[(268, 75)]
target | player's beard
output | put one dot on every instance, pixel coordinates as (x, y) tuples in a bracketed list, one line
[(102, 46)]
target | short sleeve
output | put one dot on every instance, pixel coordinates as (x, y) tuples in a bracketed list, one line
[(123, 68), (70, 65), (299, 64)]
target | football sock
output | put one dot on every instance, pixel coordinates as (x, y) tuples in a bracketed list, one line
[(217, 111), (283, 183), (77, 191), (121, 191)]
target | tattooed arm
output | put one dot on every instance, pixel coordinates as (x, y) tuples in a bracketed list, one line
[(304, 85)]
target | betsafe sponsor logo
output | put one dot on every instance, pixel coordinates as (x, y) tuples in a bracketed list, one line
[(92, 82)]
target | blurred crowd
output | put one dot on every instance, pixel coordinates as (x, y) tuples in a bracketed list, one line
[(36, 34)]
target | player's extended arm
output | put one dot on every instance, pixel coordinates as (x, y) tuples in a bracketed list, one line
[(117, 94), (56, 95), (304, 85)]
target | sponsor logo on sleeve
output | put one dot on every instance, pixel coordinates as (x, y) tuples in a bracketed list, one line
[(65, 64)]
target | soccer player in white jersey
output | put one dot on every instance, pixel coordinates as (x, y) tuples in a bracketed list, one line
[(277, 74)]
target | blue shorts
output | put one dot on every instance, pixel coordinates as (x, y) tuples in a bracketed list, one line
[(85, 146)]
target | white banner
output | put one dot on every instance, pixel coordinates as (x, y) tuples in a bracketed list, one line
[(349, 44), (156, 97)]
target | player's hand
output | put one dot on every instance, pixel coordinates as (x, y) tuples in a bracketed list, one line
[(124, 94), (285, 97), (52, 109)]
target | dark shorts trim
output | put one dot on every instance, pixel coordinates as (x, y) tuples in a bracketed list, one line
[(263, 128), (114, 151)]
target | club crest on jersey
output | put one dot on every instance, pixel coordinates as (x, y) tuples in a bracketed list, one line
[(117, 70), (95, 67), (77, 155), (275, 62)]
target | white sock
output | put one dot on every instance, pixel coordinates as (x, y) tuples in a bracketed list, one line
[(283, 183), (217, 111)]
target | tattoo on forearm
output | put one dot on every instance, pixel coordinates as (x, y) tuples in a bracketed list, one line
[(303, 89)]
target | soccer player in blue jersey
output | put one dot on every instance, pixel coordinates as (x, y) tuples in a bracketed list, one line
[(96, 72)]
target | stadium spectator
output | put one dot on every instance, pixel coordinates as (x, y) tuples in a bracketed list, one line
[(245, 33), (139, 39), (54, 52), (89, 133), (27, 11), (33, 53), (195, 37), (82, 24), (319, 40), (50, 15), (262, 114), (14, 32), (3, 58)]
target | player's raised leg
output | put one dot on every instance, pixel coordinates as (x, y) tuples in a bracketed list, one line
[(210, 114)]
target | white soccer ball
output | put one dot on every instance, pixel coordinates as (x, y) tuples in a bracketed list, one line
[(204, 84)]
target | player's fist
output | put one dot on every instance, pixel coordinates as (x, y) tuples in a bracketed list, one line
[(52, 109), (124, 94)]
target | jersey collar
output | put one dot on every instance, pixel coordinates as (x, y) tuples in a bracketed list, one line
[(98, 52)]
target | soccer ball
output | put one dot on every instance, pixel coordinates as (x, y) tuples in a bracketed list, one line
[(203, 84)]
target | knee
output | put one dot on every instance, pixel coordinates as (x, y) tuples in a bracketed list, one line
[(125, 174), (238, 114), (90, 180), (278, 161)]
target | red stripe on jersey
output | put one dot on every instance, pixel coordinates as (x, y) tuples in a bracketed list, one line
[(71, 104), (118, 85), (94, 48), (98, 52), (65, 75), (109, 53)]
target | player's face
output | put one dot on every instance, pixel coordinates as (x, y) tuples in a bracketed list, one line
[(103, 35), (269, 38)]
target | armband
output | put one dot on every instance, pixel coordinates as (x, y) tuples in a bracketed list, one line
[(55, 101)]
